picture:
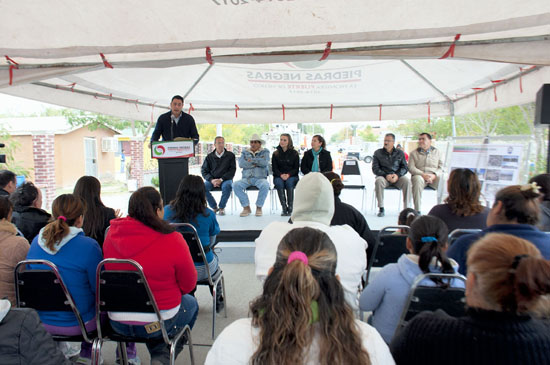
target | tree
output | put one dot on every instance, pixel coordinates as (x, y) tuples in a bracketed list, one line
[(439, 127), (367, 134), (307, 128), (94, 121)]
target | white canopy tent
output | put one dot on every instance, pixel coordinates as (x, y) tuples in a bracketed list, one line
[(265, 61)]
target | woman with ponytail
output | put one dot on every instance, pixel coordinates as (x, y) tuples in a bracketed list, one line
[(515, 211), (164, 255), (301, 317), (387, 293), (507, 282), (63, 242)]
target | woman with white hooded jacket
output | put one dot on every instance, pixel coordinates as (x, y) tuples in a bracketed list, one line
[(386, 294), (314, 207)]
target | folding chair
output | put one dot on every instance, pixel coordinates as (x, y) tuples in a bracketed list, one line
[(431, 298), (388, 248), (455, 234), (44, 290), (351, 169), (128, 291), (198, 253), (389, 187)]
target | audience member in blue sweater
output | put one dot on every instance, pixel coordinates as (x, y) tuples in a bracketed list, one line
[(189, 206), (76, 256), (386, 295), (516, 212)]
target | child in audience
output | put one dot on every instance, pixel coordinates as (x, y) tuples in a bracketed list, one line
[(405, 218), (387, 293), (76, 256), (189, 206), (98, 216), (13, 249), (144, 237), (507, 281), (301, 316)]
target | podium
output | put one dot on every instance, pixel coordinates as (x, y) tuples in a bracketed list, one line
[(173, 159)]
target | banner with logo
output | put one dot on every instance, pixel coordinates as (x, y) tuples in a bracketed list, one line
[(172, 149)]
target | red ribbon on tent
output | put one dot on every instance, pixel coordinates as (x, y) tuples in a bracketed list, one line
[(476, 89), (326, 52), (429, 113), (380, 112), (190, 108), (283, 111), (236, 111), (495, 82), (520, 81), (209, 55), (331, 108), (13, 65), (105, 62), (70, 85), (105, 96), (451, 50)]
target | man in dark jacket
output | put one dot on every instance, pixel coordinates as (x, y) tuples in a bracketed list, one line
[(8, 182), (175, 123), (218, 170), (390, 167)]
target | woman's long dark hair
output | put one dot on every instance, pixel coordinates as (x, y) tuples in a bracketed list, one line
[(284, 314), (88, 189), (190, 199), (520, 203), (464, 191), (143, 206), (24, 195), (429, 228)]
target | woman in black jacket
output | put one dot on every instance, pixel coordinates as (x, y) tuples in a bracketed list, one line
[(317, 159), (285, 163), (97, 216), (28, 215)]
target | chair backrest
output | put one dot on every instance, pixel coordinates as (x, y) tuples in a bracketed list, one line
[(388, 248), (189, 233), (351, 167), (455, 234), (43, 289), (121, 286), (431, 298)]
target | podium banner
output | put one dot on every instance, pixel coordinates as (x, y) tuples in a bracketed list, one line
[(172, 149)]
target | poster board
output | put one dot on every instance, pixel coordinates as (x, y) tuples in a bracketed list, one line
[(172, 149), (496, 165)]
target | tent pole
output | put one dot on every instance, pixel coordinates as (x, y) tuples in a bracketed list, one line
[(198, 80), (453, 123)]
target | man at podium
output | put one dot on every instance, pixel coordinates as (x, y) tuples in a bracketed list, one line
[(175, 123)]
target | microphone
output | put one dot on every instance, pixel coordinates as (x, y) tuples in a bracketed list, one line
[(172, 124)]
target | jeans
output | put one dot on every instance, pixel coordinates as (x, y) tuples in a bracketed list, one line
[(226, 192), (290, 183), (158, 349), (240, 190)]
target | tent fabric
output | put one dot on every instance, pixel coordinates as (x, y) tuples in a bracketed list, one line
[(264, 61)]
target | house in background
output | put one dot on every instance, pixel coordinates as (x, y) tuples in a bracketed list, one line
[(57, 154)]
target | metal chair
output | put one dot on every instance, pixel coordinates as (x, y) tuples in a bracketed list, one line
[(198, 253), (431, 298), (128, 291), (45, 290), (351, 168), (388, 248), (455, 234), (389, 187)]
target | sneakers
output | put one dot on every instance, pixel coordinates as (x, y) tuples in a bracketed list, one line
[(381, 213), (221, 211), (259, 211), (246, 212)]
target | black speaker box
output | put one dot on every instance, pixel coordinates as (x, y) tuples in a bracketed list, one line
[(542, 112)]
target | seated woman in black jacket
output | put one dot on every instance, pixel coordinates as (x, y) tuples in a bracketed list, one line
[(317, 159), (508, 281), (285, 164), (28, 216)]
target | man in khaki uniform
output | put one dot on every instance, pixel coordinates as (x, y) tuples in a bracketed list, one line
[(425, 166)]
